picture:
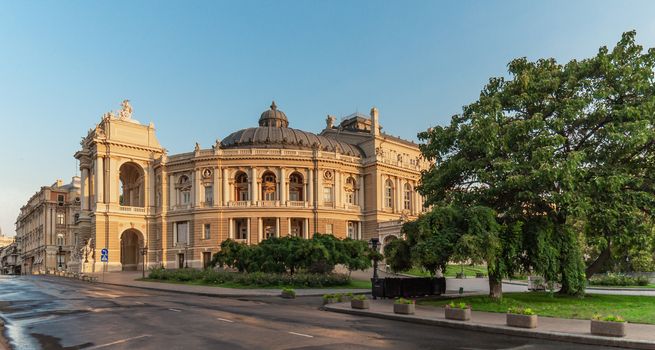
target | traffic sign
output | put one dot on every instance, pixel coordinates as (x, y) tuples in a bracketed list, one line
[(104, 255)]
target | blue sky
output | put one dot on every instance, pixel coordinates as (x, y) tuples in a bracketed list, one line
[(200, 70)]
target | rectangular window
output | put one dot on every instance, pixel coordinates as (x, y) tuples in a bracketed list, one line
[(209, 195), (327, 194), (352, 233), (61, 219), (60, 198), (329, 229), (206, 232), (181, 232), (186, 197)]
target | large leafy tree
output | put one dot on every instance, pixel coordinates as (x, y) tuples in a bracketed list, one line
[(555, 151)]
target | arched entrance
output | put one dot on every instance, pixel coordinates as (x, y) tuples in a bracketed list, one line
[(130, 244)]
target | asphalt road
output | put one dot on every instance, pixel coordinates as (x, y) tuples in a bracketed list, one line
[(55, 313)]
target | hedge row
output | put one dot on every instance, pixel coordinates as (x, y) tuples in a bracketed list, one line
[(255, 279), (617, 279)]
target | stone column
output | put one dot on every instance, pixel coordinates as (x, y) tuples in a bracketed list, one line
[(196, 199), (359, 230), (288, 226), (151, 188), (282, 188), (277, 227), (260, 230), (84, 188), (215, 189), (226, 188), (360, 185), (254, 186), (100, 182), (399, 195), (305, 228), (337, 189), (248, 231), (309, 194), (172, 198), (230, 228)]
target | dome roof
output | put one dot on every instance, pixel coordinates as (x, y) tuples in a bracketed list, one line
[(274, 132), (274, 117), (283, 137)]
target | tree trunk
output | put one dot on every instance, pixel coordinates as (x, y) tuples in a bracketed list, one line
[(495, 285), (599, 263)]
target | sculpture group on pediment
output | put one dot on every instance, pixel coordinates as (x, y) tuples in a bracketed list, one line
[(126, 110)]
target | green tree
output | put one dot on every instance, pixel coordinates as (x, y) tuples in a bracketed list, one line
[(547, 148)]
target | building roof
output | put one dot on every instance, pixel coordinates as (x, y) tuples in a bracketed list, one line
[(273, 132)]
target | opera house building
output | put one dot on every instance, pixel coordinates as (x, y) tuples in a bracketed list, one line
[(149, 208)]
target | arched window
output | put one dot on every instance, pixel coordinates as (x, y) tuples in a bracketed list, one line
[(60, 239), (269, 186), (407, 197), (131, 185), (388, 194), (241, 187), (296, 186), (351, 190)]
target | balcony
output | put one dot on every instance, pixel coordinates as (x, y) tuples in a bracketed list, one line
[(239, 204), (297, 204)]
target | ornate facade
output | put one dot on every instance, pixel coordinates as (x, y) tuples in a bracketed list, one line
[(269, 180)]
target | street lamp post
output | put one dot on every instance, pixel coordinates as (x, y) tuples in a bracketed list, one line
[(59, 257), (373, 244), (144, 254)]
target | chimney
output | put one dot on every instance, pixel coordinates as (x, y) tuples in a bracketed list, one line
[(375, 123)]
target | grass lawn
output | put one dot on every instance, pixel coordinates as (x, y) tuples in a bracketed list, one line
[(354, 284), (636, 309), (451, 271)]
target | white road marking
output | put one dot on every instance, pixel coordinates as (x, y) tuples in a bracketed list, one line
[(119, 342), (139, 302), (302, 335), (176, 310), (225, 320)]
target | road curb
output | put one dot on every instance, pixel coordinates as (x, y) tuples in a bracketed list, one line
[(204, 294), (557, 336)]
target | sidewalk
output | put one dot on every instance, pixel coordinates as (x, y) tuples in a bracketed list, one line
[(639, 336), (129, 279)]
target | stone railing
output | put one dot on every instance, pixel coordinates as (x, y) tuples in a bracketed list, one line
[(127, 209), (263, 152)]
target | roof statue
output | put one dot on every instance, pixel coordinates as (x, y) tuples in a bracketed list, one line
[(126, 111)]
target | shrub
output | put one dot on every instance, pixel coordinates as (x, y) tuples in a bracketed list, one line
[(289, 291), (404, 301), (608, 318), (454, 305), (360, 297), (291, 254), (617, 279), (521, 311)]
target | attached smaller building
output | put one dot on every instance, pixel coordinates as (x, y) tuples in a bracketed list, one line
[(45, 228)]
